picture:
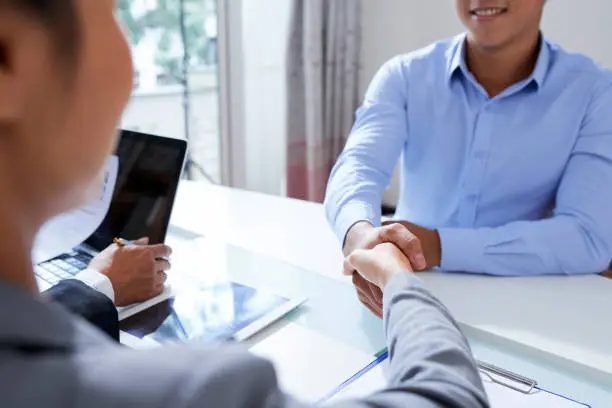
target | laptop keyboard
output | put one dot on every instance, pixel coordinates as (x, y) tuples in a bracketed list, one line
[(63, 267)]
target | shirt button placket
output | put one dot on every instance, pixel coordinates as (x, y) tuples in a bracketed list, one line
[(476, 165)]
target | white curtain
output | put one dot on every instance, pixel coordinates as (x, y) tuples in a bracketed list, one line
[(323, 90)]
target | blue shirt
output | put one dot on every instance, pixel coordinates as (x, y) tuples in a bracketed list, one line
[(518, 184)]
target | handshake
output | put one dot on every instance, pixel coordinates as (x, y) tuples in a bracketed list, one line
[(374, 255)]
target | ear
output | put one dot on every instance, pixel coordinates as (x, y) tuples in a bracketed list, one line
[(23, 56), (8, 85)]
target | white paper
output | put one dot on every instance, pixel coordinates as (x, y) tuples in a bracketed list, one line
[(309, 365), (66, 231), (499, 396)]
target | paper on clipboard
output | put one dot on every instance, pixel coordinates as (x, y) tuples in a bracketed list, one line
[(499, 396), (66, 231)]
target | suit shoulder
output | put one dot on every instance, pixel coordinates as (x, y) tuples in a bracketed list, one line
[(180, 377)]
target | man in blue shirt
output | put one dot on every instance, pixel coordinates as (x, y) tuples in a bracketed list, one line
[(505, 143)]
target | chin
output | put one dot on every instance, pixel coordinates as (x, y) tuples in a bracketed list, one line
[(487, 43)]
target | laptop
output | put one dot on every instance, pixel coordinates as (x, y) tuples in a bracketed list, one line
[(150, 168)]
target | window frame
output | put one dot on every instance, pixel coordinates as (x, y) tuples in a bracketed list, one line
[(231, 94)]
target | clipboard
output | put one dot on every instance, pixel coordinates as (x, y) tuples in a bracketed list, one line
[(504, 388)]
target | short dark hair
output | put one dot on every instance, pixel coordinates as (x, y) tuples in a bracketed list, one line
[(59, 16)]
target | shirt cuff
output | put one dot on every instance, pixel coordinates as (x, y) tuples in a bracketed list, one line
[(97, 281), (353, 213), (462, 250)]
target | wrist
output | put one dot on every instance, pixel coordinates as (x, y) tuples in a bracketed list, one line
[(386, 278), (435, 256), (98, 281), (355, 235)]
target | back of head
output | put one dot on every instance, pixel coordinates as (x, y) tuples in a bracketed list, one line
[(67, 69), (65, 78)]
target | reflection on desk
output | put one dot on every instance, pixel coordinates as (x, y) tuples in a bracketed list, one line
[(206, 314)]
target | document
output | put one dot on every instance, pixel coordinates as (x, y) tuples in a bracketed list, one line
[(66, 231), (309, 365)]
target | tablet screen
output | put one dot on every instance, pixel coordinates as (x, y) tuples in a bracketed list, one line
[(206, 314)]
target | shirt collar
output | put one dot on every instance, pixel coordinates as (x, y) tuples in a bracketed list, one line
[(456, 60), (455, 56), (541, 69)]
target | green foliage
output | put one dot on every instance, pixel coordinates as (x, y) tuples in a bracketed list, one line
[(165, 17)]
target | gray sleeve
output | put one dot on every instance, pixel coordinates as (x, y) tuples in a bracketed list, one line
[(431, 365)]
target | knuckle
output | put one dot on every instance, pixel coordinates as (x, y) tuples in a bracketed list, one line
[(390, 232), (383, 236), (396, 227), (415, 243)]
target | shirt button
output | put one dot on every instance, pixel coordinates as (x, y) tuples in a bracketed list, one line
[(479, 155)]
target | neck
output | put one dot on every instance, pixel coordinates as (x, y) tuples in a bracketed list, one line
[(17, 236), (499, 68)]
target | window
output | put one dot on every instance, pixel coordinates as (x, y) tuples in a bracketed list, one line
[(176, 90)]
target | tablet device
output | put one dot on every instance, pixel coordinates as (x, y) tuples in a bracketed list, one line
[(225, 311)]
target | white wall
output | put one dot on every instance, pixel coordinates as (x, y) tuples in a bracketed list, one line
[(393, 27), (265, 36)]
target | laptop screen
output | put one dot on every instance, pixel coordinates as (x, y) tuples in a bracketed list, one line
[(150, 168)]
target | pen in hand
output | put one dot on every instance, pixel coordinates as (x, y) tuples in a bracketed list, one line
[(120, 242)]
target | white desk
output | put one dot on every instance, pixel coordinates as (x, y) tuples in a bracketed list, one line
[(573, 360)]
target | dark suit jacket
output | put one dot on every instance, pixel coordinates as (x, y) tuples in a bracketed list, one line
[(84, 301)]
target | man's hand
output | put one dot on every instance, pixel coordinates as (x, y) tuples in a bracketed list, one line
[(379, 265), (429, 239), (409, 238), (136, 272), (368, 293)]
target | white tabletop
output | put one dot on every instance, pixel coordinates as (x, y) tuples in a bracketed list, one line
[(509, 333)]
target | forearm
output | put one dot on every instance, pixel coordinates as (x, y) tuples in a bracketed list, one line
[(429, 356), (86, 302), (365, 167), (431, 365), (354, 193), (559, 245)]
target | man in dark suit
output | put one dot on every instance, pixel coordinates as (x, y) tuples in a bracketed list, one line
[(116, 277)]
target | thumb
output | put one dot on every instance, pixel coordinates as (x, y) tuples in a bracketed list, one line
[(357, 260), (348, 269), (142, 241)]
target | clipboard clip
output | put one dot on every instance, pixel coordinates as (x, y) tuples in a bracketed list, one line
[(507, 378)]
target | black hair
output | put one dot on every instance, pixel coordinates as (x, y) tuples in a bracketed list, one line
[(59, 16)]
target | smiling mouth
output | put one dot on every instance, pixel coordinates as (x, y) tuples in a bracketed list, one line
[(488, 12)]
